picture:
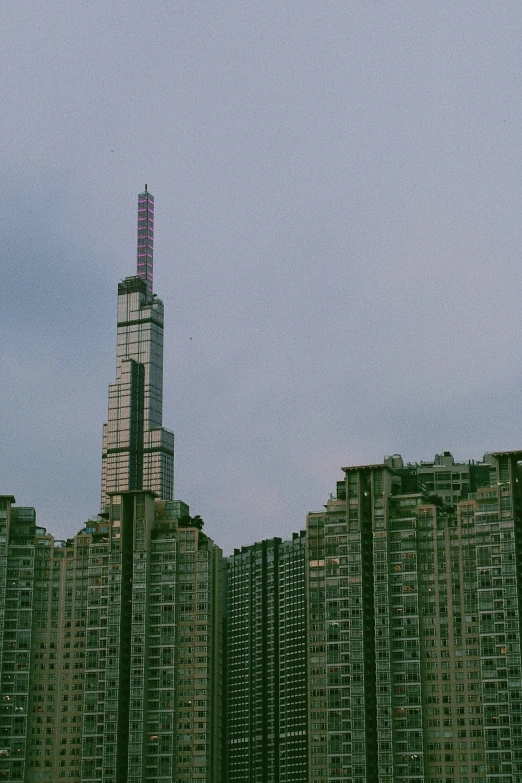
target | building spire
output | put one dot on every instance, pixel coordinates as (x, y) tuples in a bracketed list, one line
[(145, 238)]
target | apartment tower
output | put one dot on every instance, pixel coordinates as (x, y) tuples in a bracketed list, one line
[(43, 596), (152, 695), (415, 624), (265, 662)]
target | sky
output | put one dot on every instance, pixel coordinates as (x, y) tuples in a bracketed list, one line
[(337, 241)]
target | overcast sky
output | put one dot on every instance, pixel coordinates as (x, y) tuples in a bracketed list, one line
[(338, 191)]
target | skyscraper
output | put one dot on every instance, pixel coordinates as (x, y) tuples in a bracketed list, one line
[(138, 453), (153, 617), (110, 643)]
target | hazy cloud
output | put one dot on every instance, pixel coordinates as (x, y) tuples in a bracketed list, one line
[(338, 192)]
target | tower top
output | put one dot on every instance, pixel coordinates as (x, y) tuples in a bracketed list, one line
[(144, 268)]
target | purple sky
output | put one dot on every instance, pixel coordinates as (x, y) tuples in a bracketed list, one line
[(338, 241)]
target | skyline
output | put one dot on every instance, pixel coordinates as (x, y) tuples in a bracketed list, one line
[(338, 244)]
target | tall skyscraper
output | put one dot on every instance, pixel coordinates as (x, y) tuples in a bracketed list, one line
[(110, 643), (153, 617), (138, 453), (415, 624)]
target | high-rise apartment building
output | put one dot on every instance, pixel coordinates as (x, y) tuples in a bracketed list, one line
[(265, 662), (17, 556), (138, 453), (152, 707), (43, 589), (415, 622)]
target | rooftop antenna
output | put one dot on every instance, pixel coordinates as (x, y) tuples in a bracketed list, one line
[(145, 238)]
